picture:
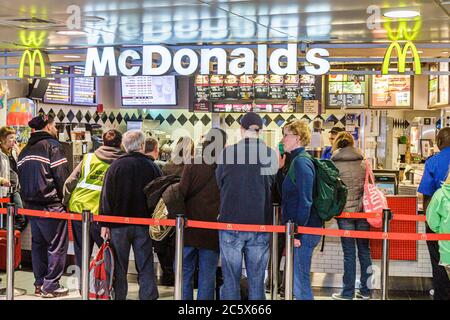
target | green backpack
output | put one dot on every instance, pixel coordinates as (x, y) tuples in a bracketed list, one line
[(330, 192)]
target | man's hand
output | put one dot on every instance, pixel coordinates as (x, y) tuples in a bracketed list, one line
[(297, 243), (106, 233)]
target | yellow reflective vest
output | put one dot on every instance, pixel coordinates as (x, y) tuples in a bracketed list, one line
[(86, 195)]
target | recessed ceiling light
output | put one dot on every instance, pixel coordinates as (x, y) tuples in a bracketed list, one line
[(419, 51), (72, 56), (445, 52), (402, 14), (71, 32)]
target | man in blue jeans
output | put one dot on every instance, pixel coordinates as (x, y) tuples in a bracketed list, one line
[(245, 175), (123, 195)]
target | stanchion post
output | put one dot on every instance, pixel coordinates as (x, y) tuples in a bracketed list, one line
[(10, 252), (179, 244), (274, 265), (86, 220), (387, 216), (289, 265)]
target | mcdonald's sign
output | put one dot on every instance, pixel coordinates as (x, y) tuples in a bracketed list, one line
[(30, 57), (401, 53)]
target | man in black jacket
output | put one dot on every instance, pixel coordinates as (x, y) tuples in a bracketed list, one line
[(43, 168), (123, 195)]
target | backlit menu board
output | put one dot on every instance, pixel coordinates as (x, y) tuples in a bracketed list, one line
[(231, 87), (307, 87), (276, 87), (391, 91), (261, 84), (83, 88), (216, 90), (148, 90), (201, 93), (58, 90), (346, 91), (444, 89), (433, 89), (246, 87), (291, 85), (246, 107)]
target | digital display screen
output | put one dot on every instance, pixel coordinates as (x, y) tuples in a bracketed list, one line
[(149, 90), (391, 91), (83, 88), (58, 90), (346, 90)]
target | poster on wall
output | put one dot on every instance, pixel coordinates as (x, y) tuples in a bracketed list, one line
[(20, 111), (391, 91)]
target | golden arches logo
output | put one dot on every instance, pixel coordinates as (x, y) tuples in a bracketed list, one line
[(32, 39), (403, 30), (29, 57), (401, 53)]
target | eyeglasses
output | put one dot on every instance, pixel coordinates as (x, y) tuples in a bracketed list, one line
[(288, 134)]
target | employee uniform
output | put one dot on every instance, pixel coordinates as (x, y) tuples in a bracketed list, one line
[(436, 171)]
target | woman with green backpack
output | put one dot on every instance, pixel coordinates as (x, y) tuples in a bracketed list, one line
[(297, 203)]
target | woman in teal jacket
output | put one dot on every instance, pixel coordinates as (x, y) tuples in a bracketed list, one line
[(438, 218)]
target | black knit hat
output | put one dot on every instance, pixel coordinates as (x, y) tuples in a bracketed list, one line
[(39, 122), (251, 119)]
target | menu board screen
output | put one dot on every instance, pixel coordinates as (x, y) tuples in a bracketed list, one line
[(291, 86), (216, 90), (246, 87), (261, 83), (201, 93), (308, 87), (276, 88), (58, 90), (346, 90), (148, 90), (444, 89), (83, 88), (391, 91), (231, 87), (433, 87), (246, 107)]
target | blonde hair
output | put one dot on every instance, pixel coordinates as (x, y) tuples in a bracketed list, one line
[(343, 139), (4, 133), (299, 128)]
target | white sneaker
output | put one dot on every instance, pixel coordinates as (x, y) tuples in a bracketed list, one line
[(360, 296), (60, 292), (338, 296)]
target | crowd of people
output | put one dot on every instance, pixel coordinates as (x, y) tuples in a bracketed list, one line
[(226, 183)]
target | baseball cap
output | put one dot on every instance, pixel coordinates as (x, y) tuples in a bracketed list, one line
[(336, 129), (251, 119)]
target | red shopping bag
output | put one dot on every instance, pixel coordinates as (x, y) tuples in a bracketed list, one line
[(373, 199)]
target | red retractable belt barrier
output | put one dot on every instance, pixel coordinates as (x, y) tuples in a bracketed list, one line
[(5, 200), (365, 215), (251, 228)]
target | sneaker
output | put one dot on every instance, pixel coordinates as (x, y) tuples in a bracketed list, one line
[(37, 291), (361, 296), (60, 292), (338, 296)]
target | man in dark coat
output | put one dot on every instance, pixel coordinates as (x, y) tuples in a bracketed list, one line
[(123, 195)]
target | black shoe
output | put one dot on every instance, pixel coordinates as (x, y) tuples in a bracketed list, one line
[(60, 292)]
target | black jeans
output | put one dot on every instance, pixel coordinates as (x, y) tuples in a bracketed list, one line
[(441, 282), (122, 238), (94, 237)]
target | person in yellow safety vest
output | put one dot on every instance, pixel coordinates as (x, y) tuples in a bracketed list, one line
[(83, 188)]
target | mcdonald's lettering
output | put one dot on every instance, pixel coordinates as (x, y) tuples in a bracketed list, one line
[(401, 57), (31, 59)]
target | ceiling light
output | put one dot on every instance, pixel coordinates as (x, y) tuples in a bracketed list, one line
[(401, 14), (72, 56), (71, 32), (444, 52), (419, 51)]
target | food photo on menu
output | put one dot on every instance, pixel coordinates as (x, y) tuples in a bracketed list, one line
[(246, 87)]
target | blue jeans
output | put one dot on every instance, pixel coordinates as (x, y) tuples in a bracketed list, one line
[(122, 238), (302, 267), (207, 265), (255, 248), (349, 247)]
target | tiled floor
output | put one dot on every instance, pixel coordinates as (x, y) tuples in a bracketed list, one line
[(24, 282)]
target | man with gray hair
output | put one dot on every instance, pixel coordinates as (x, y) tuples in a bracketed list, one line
[(123, 195)]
